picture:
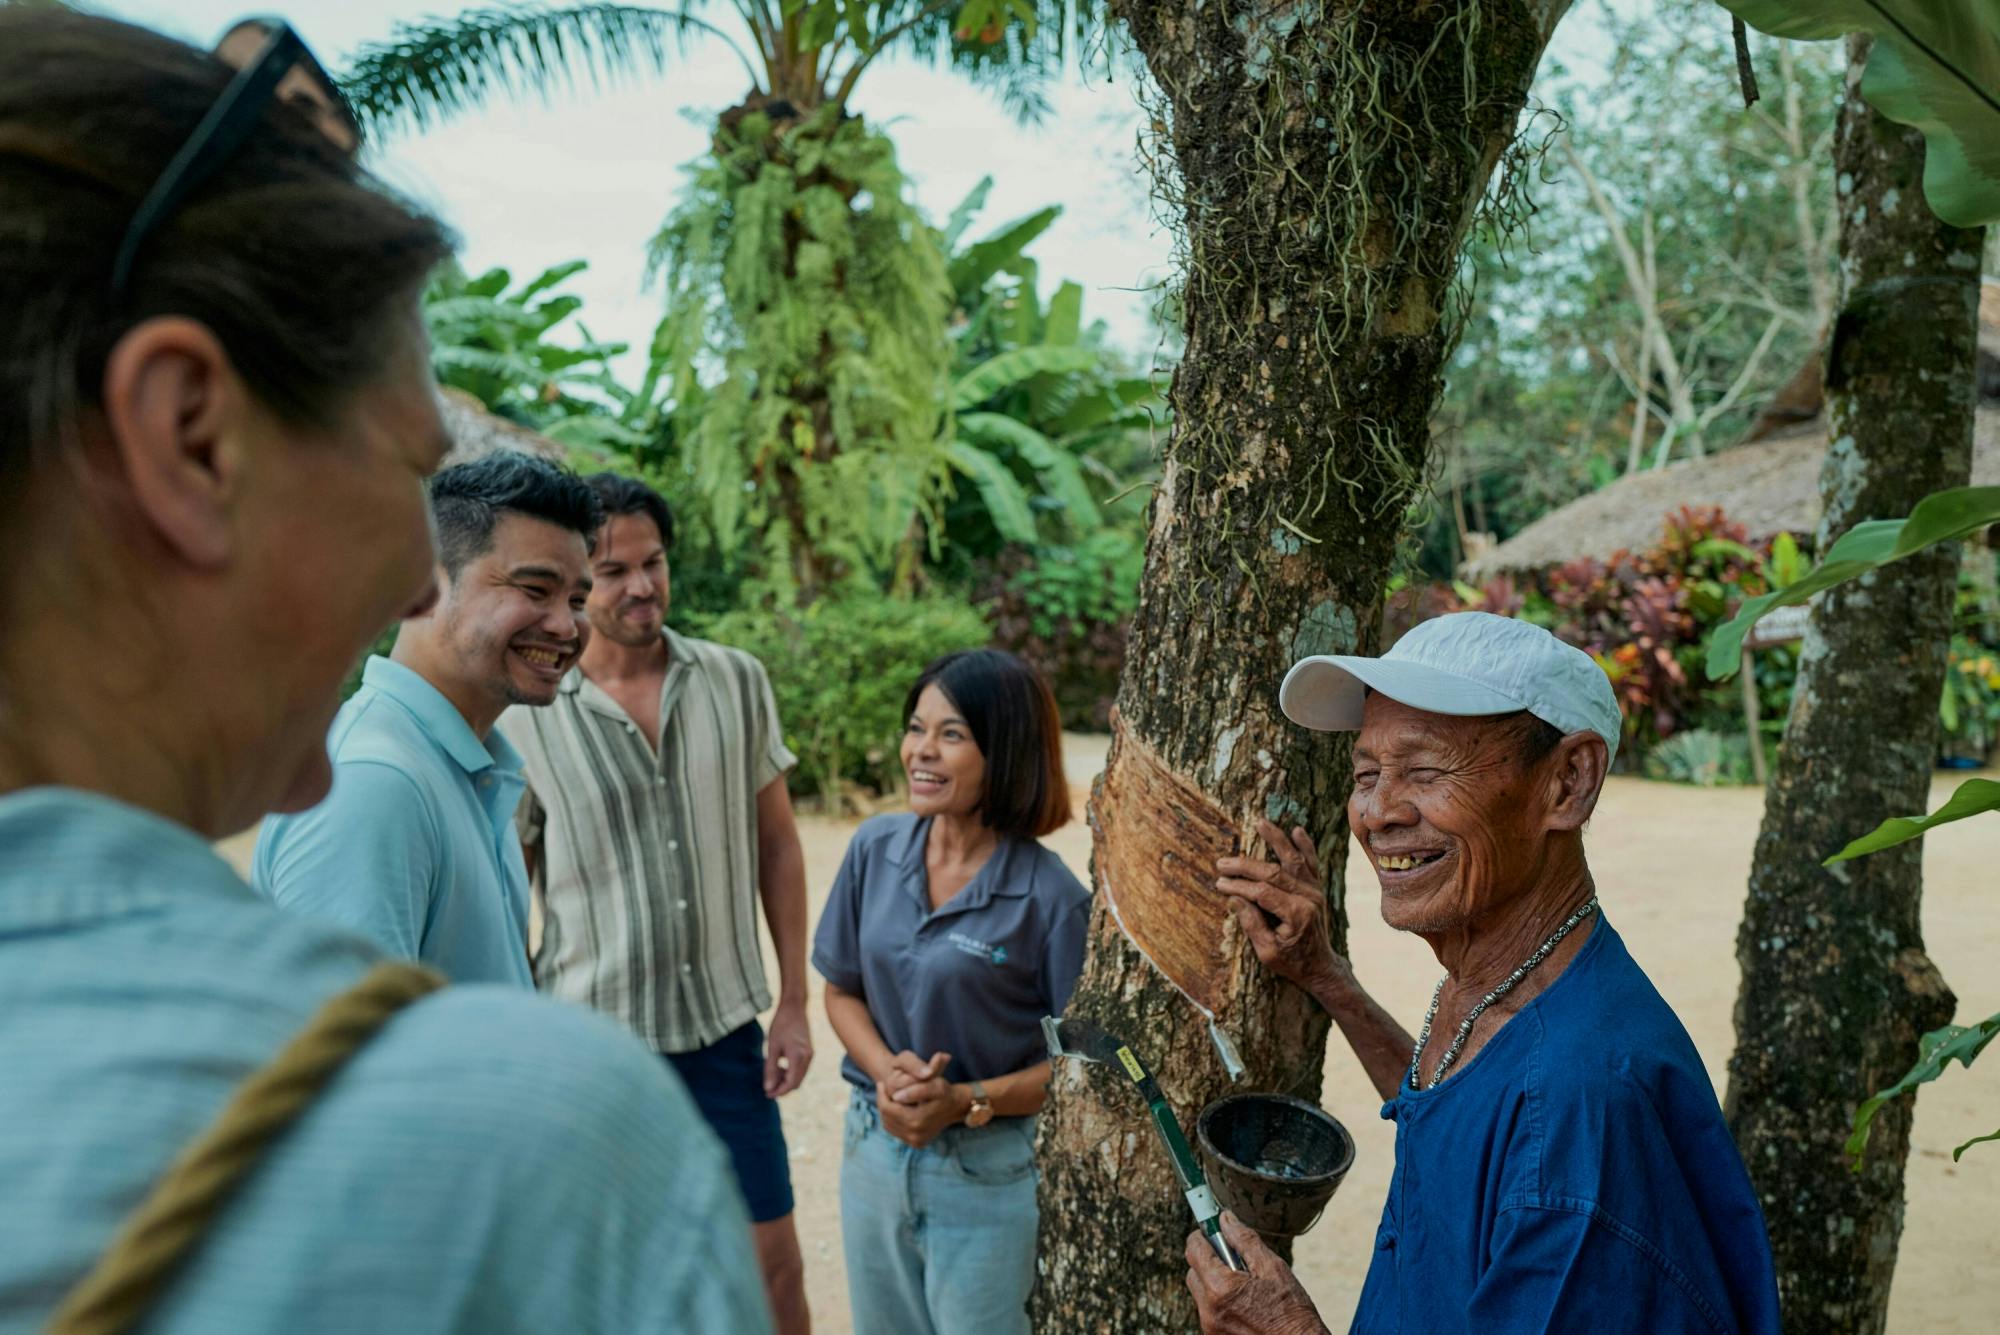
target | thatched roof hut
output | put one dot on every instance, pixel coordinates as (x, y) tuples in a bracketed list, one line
[(476, 432), (1769, 485)]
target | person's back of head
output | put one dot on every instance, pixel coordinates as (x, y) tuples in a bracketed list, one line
[(235, 435), (212, 482)]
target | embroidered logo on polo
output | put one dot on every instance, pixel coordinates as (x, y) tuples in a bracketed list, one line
[(972, 945)]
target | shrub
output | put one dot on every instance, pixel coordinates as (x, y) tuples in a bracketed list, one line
[(1969, 708), (1068, 611), (839, 669), (1703, 758)]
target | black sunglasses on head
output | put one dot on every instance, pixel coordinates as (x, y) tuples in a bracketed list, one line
[(223, 130)]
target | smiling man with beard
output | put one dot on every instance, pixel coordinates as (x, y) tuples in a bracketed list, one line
[(1561, 1161), (658, 820), (415, 845)]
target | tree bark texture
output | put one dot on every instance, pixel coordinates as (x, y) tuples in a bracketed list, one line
[(1836, 986), (1327, 162)]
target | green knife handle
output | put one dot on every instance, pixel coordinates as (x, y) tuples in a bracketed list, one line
[(1184, 1160)]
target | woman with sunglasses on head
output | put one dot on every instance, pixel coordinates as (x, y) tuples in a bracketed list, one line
[(947, 936), (216, 416)]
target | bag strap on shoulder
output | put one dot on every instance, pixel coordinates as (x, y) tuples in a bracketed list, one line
[(177, 1212)]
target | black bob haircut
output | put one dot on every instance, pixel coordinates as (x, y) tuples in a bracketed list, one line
[(468, 499), (1014, 722), (621, 495)]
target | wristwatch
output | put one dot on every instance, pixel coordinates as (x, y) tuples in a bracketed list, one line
[(981, 1111)]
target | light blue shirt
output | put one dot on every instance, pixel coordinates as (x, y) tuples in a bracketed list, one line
[(415, 847), (492, 1161)]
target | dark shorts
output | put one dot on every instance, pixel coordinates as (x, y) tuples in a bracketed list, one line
[(726, 1079)]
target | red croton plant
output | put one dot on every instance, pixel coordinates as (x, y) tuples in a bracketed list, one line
[(1642, 615)]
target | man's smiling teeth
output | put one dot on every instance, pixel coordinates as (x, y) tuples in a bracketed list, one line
[(1404, 862), (540, 657)]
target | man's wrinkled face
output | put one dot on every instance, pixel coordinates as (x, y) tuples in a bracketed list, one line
[(512, 618), (1453, 822)]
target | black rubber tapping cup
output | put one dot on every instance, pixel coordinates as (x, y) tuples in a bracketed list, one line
[(1272, 1159)]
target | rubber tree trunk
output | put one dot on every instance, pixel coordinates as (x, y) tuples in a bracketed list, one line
[(1328, 162), (1836, 986)]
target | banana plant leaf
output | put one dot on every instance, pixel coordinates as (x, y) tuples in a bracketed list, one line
[(1940, 517), (1006, 502), (970, 268), (1109, 404), (1935, 1051), (961, 217), (1061, 475), (1065, 318), (1935, 65), (1008, 369), (1973, 796), (551, 277)]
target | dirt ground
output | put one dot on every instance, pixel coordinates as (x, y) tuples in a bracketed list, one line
[(1671, 865)]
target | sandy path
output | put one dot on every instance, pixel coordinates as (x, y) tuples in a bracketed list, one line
[(1672, 864)]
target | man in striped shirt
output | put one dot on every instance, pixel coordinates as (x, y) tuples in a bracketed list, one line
[(656, 818)]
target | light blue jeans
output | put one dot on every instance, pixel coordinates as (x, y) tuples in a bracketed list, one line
[(941, 1240)]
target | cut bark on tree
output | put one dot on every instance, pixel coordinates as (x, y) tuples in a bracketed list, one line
[(1836, 985)]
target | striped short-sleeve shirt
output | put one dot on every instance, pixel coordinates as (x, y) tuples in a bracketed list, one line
[(647, 856)]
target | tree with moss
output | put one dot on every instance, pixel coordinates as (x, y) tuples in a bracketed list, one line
[(1327, 161)]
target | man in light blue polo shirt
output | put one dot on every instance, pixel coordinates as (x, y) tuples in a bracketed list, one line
[(415, 846)]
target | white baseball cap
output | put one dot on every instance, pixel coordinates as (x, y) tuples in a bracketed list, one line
[(1467, 664)]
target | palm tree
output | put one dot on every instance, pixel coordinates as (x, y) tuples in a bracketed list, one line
[(805, 53), (806, 299)]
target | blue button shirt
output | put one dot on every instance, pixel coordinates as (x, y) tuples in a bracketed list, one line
[(491, 1161), (975, 977), (415, 846), (1575, 1176)]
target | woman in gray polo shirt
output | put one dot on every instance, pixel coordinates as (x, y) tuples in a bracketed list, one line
[(948, 934)]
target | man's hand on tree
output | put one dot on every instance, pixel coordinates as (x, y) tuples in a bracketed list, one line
[(1262, 1299), (1282, 907)]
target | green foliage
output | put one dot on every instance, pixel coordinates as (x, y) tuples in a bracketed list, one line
[(1049, 427), (840, 669), (502, 348), (1969, 704), (1944, 516), (1018, 366), (1006, 501), (1935, 1050), (1067, 611), (1702, 757), (1060, 472), (1935, 65), (974, 267), (810, 299), (1973, 797), (1097, 581)]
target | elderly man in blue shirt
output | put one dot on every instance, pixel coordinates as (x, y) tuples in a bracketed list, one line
[(416, 847), (1561, 1161)]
